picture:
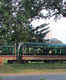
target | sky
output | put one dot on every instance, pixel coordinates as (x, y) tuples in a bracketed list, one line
[(57, 28)]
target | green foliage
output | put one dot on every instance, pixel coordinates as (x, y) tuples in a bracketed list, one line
[(12, 29)]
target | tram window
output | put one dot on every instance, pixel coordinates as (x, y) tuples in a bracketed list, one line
[(58, 51), (64, 51), (26, 51), (47, 51), (44, 51), (55, 52), (31, 51)]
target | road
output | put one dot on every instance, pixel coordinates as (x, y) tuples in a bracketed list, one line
[(35, 77)]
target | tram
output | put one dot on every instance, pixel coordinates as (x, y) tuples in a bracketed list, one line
[(30, 51)]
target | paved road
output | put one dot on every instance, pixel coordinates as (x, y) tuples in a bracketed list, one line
[(35, 77)]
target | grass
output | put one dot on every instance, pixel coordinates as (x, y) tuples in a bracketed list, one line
[(32, 67)]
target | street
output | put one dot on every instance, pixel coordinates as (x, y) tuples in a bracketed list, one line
[(35, 77)]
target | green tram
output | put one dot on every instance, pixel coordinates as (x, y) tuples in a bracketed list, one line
[(30, 51)]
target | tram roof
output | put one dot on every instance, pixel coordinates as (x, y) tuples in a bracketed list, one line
[(35, 44), (44, 44), (57, 45)]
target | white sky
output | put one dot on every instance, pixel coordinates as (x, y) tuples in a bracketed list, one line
[(57, 29)]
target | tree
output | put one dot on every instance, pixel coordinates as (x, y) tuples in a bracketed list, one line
[(14, 17), (13, 22)]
